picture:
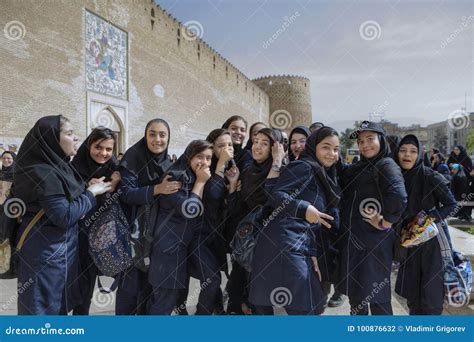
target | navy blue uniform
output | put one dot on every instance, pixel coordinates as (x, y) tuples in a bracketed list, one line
[(48, 260), (366, 256), (282, 270), (134, 291), (420, 276)]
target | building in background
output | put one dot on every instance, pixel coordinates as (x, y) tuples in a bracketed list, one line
[(121, 63), (290, 100)]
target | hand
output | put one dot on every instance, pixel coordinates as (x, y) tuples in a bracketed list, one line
[(93, 181), (166, 187), (100, 187), (373, 218), (316, 266), (202, 173), (278, 153), (233, 175), (313, 215), (114, 180), (239, 185), (226, 155)]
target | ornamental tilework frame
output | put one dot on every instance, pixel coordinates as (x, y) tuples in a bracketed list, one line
[(106, 51)]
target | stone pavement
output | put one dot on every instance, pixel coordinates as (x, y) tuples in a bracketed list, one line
[(103, 304)]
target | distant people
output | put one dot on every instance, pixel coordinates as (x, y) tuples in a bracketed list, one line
[(355, 159), (459, 156), (437, 160), (460, 188), (297, 140), (426, 159), (315, 126), (120, 156), (6, 175), (174, 158)]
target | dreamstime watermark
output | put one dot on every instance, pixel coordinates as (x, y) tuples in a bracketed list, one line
[(192, 208), (281, 297), (107, 203), (14, 30), (458, 119), (466, 21), (286, 24), (281, 207), (14, 207), (370, 30), (196, 115), (193, 295), (101, 299), (20, 289), (461, 204), (193, 30), (281, 119), (377, 287), (371, 205), (46, 330)]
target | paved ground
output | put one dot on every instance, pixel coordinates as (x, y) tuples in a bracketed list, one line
[(103, 304)]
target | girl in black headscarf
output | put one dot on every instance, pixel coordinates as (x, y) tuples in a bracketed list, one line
[(142, 169), (420, 277), (374, 198), (178, 220), (94, 160), (44, 179), (305, 199), (237, 127), (459, 156), (257, 126), (257, 180), (297, 141), (6, 175)]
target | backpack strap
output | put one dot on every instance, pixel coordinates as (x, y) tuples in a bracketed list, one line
[(28, 229)]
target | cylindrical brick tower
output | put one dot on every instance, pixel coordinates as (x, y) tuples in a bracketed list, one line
[(290, 100)]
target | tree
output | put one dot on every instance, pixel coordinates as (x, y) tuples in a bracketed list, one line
[(346, 142), (470, 142)]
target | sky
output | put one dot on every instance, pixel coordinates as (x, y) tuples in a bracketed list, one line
[(409, 62)]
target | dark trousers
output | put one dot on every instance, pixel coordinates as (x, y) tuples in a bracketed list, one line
[(134, 300), (237, 288), (164, 301), (268, 311), (87, 290), (360, 308), (416, 308)]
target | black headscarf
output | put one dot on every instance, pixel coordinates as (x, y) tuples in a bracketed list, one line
[(364, 162), (6, 173), (299, 129), (42, 168), (462, 159), (253, 184), (420, 181), (414, 178), (248, 146), (327, 176), (145, 165), (88, 168)]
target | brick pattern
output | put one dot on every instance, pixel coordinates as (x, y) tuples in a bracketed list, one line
[(43, 73)]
